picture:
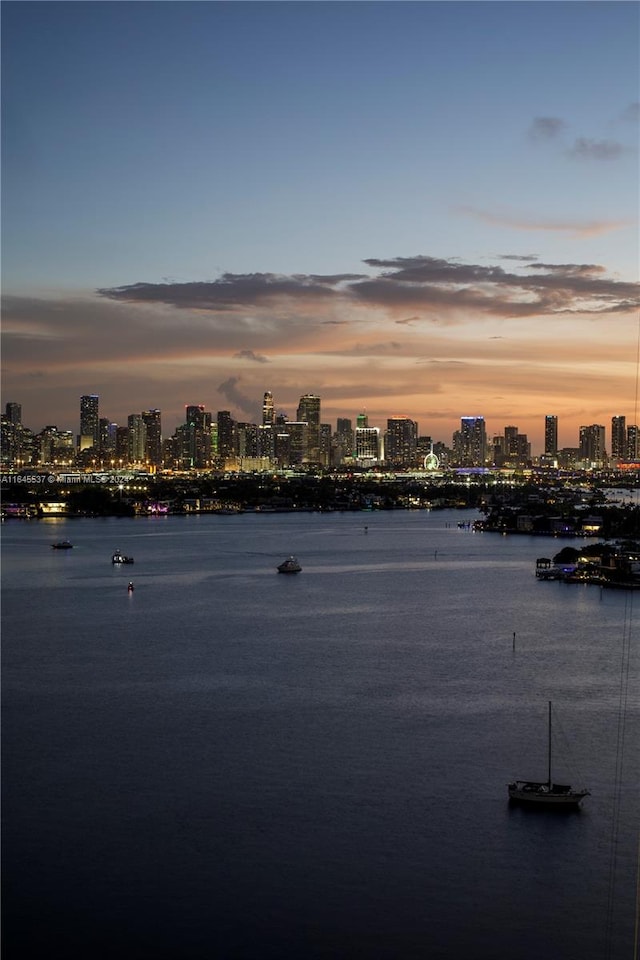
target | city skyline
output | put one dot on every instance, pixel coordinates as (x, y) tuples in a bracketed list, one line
[(617, 437), (427, 209)]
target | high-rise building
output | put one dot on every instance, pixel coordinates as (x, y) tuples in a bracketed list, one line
[(14, 413), (89, 421), (268, 412), (362, 420), (282, 447), (122, 445), (266, 433), (498, 451), (592, 448), (309, 412), (550, 435), (401, 441), (342, 441), (517, 449), (153, 422), (367, 443), (136, 438), (325, 444), (247, 439), (56, 446), (511, 442), (470, 442), (8, 442), (618, 438), (196, 437), (633, 442), (226, 435), (344, 430), (107, 441), (214, 437), (266, 441), (297, 445)]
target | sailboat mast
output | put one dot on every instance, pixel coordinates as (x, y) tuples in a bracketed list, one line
[(549, 749)]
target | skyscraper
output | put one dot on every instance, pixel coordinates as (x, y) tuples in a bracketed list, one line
[(268, 415), (153, 423), (197, 436), (472, 442), (367, 443), (309, 412), (592, 449), (343, 440), (516, 447), (107, 440), (618, 438), (247, 440), (14, 413), (298, 442), (401, 441), (89, 421), (226, 435), (266, 434), (550, 435), (136, 438)]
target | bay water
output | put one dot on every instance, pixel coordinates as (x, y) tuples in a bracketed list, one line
[(233, 764)]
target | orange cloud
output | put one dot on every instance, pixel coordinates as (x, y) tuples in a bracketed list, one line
[(582, 228)]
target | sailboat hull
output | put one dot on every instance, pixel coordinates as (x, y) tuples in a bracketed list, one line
[(544, 794)]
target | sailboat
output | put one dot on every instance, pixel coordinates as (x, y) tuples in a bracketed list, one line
[(546, 793)]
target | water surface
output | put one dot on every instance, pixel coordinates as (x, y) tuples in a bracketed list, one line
[(231, 763)]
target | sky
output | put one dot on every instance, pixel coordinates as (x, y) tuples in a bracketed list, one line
[(426, 209)]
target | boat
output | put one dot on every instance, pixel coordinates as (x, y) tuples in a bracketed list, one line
[(290, 565), (120, 558), (62, 545), (546, 792)]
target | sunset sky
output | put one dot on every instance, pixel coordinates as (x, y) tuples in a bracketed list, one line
[(426, 209)]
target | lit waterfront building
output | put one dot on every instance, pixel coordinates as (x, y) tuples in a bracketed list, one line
[(89, 422), (470, 442), (367, 444), (56, 446), (153, 423), (309, 412), (592, 446), (14, 441), (401, 441), (136, 438)]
